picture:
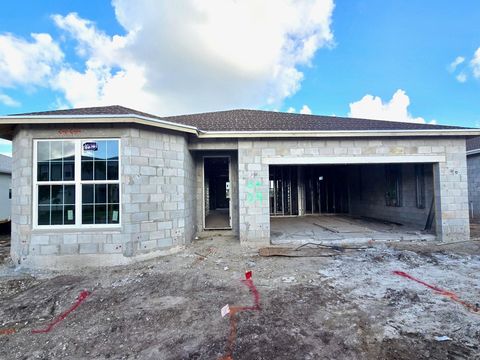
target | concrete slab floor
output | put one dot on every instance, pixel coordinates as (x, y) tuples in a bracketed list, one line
[(340, 229), (217, 219)]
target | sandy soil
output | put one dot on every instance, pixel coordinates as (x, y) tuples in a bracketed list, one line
[(345, 307)]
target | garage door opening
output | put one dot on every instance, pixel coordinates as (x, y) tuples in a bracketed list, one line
[(217, 193), (361, 202)]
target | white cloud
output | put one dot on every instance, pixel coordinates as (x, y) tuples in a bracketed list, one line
[(305, 110), (27, 63), (458, 60), (189, 56), (372, 107), (462, 77), (195, 55), (8, 101), (475, 63)]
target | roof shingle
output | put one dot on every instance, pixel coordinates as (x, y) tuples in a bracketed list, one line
[(254, 120)]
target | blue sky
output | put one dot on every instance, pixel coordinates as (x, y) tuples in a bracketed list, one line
[(379, 59)]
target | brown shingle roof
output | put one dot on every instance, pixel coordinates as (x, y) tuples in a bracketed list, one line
[(89, 111), (258, 120), (254, 120)]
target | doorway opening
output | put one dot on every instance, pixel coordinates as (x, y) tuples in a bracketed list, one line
[(326, 189), (337, 202), (216, 185), (283, 190)]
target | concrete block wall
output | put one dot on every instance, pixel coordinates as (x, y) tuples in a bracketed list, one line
[(156, 208), (451, 194), (253, 191), (473, 168), (450, 177), (190, 218), (367, 197)]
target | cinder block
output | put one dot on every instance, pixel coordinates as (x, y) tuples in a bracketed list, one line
[(112, 248), (49, 249), (68, 249), (165, 242), (88, 248), (39, 240)]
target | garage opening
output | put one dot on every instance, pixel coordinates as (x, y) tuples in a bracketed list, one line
[(351, 202), (217, 193)]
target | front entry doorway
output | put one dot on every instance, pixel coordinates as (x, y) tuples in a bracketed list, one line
[(216, 190)]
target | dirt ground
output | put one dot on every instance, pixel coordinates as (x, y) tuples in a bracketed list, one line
[(349, 306)]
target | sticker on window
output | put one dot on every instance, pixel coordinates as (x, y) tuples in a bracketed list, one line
[(69, 215), (115, 216), (90, 146)]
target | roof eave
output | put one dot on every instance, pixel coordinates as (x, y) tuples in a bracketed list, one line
[(473, 152), (339, 133), (95, 119), (159, 123)]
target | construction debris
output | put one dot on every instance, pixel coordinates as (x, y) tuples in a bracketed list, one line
[(348, 306), (308, 250), (289, 252)]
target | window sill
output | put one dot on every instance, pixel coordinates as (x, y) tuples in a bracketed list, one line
[(67, 230)]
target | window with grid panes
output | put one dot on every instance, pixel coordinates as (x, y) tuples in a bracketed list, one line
[(77, 182)]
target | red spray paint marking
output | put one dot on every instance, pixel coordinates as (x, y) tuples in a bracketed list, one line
[(81, 297), (451, 295), (7, 331), (236, 309)]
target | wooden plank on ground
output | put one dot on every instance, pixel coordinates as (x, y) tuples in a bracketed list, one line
[(291, 252)]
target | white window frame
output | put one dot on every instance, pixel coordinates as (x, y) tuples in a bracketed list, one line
[(78, 182)]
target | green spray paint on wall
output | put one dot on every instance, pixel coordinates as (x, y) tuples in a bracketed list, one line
[(253, 192)]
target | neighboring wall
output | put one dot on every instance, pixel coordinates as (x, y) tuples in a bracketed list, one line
[(473, 165), (450, 175), (367, 194), (5, 186), (157, 174)]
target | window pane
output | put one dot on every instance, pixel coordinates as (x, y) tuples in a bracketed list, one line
[(56, 150), (57, 194), (100, 170), (87, 214), (56, 168), (100, 214), (99, 162), (69, 214), (43, 171), (43, 151), (113, 193), (43, 215), (87, 170), (69, 194), (87, 194), (69, 150), (112, 149), (112, 170), (113, 214), (55, 160), (87, 155), (57, 215), (101, 152), (44, 195), (69, 171), (100, 194)]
